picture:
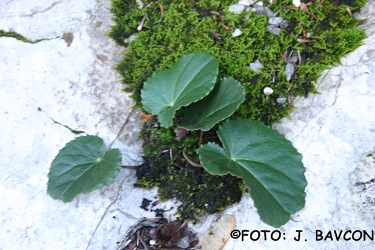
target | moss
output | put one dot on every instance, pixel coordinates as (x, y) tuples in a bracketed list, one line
[(196, 189), (369, 155), (185, 27), (20, 37), (174, 28)]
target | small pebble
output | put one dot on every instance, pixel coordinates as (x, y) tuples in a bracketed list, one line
[(130, 38), (237, 32), (275, 20), (256, 66), (297, 3), (289, 71), (269, 12), (293, 59), (184, 242), (246, 2), (236, 8), (260, 10), (281, 100), (273, 30), (284, 24)]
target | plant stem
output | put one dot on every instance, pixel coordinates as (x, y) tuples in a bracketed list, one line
[(200, 139), (194, 164)]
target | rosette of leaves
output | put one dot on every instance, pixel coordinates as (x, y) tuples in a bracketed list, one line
[(268, 163), (191, 79), (223, 100)]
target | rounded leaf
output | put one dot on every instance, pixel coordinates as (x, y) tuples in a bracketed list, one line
[(189, 80), (223, 100), (82, 166), (268, 163)]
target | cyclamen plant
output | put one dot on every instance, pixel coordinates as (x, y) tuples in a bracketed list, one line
[(268, 163)]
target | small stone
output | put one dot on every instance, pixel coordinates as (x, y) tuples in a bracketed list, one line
[(281, 100), (273, 30), (275, 20), (289, 71), (256, 66), (246, 2), (260, 10), (284, 24), (297, 3), (269, 12), (130, 38), (236, 8), (184, 242), (260, 3), (237, 32), (293, 59)]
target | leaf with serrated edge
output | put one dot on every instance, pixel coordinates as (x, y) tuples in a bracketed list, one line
[(220, 103), (268, 163), (189, 80), (82, 166)]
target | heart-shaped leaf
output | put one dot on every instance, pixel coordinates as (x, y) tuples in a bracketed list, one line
[(268, 163), (82, 166), (220, 103), (189, 80)]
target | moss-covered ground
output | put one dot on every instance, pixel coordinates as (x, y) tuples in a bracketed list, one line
[(319, 35)]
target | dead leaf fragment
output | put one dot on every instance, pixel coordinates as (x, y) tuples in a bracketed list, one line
[(145, 116), (217, 236)]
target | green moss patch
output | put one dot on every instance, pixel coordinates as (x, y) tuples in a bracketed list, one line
[(176, 178), (20, 37), (319, 36)]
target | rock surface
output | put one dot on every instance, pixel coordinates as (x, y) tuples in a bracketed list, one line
[(71, 79)]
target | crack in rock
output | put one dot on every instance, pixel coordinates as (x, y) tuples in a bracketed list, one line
[(72, 130), (107, 210), (42, 11)]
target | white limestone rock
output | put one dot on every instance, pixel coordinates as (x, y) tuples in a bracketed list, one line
[(275, 20), (281, 100), (236, 8), (289, 71), (246, 2), (237, 32), (273, 30), (256, 66)]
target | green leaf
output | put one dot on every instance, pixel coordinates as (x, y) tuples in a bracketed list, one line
[(268, 163), (82, 166), (191, 79), (223, 100)]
